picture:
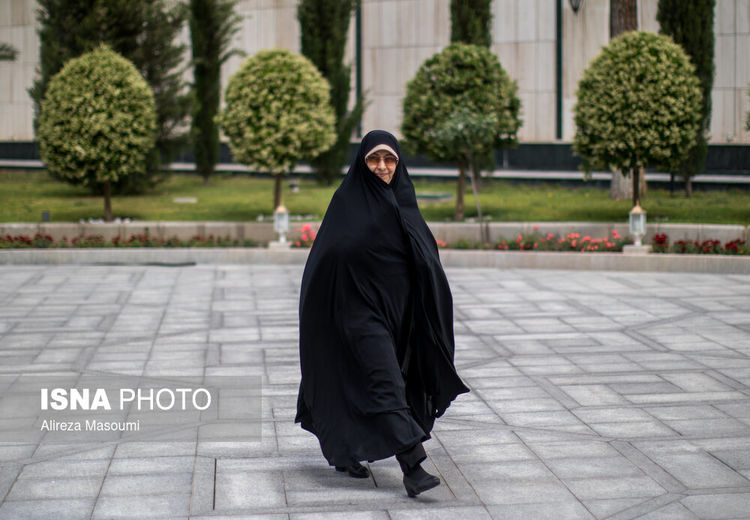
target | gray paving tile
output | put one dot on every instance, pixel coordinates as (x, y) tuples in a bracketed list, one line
[(611, 415), (738, 459), (631, 430), (526, 405), (8, 475), (667, 413), (674, 511), (151, 506), (605, 488), (237, 491), (542, 419), (590, 467), (717, 427), (260, 516), (698, 469), (475, 437), (488, 453), (522, 492), (67, 509), (61, 487), (353, 515), (59, 468), (572, 449), (134, 485), (558, 388), (568, 510), (147, 465), (443, 513), (719, 506), (695, 382), (477, 473), (735, 410)]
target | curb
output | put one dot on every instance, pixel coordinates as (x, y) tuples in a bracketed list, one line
[(719, 264)]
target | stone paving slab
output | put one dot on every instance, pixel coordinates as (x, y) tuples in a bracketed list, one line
[(595, 394)]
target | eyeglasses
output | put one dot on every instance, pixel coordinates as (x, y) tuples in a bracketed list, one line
[(389, 160)]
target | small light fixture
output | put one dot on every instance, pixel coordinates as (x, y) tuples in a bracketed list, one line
[(637, 221), (281, 222), (576, 5)]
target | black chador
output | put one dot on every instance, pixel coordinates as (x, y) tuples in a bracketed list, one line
[(376, 322)]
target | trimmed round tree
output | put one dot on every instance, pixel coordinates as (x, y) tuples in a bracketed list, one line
[(462, 76), (277, 112), (97, 123), (639, 105)]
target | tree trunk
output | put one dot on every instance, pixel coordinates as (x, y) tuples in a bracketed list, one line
[(689, 187), (459, 215), (623, 17), (636, 173), (107, 202), (277, 191), (474, 171), (621, 186), (643, 187)]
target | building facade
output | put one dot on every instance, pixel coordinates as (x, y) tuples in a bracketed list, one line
[(530, 37)]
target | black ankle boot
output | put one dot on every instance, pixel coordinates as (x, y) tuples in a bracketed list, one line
[(418, 480), (356, 470)]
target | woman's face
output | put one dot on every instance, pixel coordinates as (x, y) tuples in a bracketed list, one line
[(383, 164)]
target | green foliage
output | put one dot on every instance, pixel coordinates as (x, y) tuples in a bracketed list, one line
[(470, 135), (324, 25), (97, 121), (470, 22), (160, 59), (691, 25), (466, 76), (144, 32), (638, 105), (277, 111), (212, 25), (7, 52)]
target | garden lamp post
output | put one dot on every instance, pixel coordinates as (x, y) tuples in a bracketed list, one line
[(637, 221), (281, 222)]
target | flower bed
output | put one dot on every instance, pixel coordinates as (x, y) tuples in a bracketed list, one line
[(572, 242), (307, 236), (40, 241), (660, 244), (549, 242)]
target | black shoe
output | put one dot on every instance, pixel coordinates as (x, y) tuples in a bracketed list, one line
[(418, 480), (356, 470)]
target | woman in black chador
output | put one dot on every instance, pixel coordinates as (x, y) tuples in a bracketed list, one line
[(376, 323)]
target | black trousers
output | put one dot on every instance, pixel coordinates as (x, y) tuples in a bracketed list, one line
[(411, 458)]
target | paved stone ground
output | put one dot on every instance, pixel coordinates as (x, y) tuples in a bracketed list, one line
[(594, 395)]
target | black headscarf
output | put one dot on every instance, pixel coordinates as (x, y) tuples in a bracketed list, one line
[(376, 320)]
